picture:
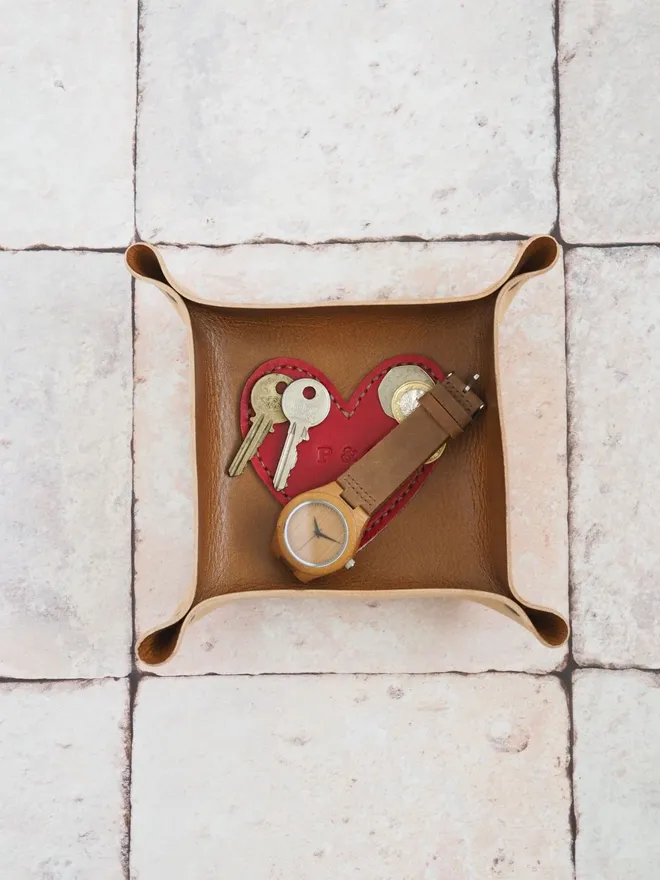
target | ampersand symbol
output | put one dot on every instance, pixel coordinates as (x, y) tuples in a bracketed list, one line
[(349, 454)]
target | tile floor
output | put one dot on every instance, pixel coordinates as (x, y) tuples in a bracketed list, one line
[(412, 144)]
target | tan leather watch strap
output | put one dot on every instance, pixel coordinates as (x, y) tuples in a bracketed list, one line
[(442, 414)]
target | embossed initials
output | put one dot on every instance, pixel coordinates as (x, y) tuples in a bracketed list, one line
[(324, 453), (349, 454)]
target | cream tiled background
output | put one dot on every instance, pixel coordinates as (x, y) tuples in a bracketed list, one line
[(291, 152)]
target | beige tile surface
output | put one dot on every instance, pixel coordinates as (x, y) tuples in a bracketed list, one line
[(342, 776), (67, 105), (346, 635), (336, 739), (610, 165), (64, 766), (305, 121), (614, 369), (65, 492), (617, 774)]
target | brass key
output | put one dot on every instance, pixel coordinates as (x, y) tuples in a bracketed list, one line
[(306, 403), (266, 402)]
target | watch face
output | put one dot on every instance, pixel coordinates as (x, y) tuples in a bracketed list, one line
[(316, 533)]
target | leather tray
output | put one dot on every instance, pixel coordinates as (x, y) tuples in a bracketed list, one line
[(451, 539)]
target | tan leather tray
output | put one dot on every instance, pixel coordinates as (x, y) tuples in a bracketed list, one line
[(452, 537)]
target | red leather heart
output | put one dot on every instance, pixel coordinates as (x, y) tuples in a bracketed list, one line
[(352, 427)]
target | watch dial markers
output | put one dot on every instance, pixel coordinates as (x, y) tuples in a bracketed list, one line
[(316, 533)]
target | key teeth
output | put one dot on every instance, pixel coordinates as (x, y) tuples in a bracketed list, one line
[(280, 482), (283, 481), (277, 478), (250, 445)]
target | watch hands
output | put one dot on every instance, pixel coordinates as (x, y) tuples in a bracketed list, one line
[(308, 540), (323, 535), (319, 534)]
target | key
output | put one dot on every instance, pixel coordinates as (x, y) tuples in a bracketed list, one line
[(306, 403), (266, 402), (394, 378)]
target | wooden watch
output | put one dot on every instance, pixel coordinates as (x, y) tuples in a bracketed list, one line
[(319, 531)]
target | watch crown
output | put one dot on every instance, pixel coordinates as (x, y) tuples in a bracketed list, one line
[(350, 563)]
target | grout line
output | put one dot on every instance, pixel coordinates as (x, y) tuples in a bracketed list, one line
[(138, 63), (612, 245), (133, 677), (572, 814), (133, 498), (83, 682), (55, 247), (127, 777), (326, 673), (569, 451), (136, 674), (402, 239), (567, 676), (557, 116), (567, 682)]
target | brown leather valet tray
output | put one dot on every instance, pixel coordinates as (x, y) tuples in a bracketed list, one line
[(451, 539)]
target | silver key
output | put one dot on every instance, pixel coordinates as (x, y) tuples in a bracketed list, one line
[(266, 402), (303, 412)]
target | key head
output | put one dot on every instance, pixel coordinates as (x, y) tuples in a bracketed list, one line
[(306, 402), (266, 399)]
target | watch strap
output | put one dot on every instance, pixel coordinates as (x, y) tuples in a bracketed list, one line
[(442, 414)]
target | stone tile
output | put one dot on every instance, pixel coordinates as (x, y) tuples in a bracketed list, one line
[(67, 104), (306, 121), (275, 635), (609, 125), (64, 765), (344, 776), (614, 367), (65, 493), (617, 774)]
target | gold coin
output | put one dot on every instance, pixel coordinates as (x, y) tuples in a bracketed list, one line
[(396, 377), (406, 399)]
